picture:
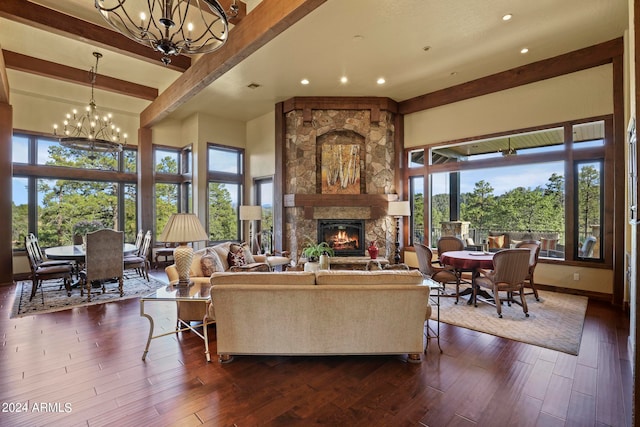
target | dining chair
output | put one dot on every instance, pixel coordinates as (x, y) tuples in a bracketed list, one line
[(586, 251), (41, 270), (140, 261), (40, 256), (442, 275), (103, 260), (534, 247), (510, 269), (451, 243)]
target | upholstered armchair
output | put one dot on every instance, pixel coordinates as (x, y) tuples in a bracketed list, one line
[(534, 247), (442, 275), (510, 269)]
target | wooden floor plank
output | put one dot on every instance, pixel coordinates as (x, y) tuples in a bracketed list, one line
[(90, 358)]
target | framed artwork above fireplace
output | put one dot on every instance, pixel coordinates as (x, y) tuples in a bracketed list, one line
[(340, 169)]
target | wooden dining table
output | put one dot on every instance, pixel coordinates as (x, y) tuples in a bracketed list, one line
[(471, 261), (77, 253)]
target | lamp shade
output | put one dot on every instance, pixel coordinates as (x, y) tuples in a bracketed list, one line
[(250, 213), (399, 209), (183, 227)]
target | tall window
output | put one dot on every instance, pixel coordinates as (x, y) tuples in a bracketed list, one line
[(56, 189), (225, 177), (516, 184), (264, 197)]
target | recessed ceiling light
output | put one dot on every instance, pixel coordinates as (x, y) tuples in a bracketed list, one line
[(253, 85), (426, 48), (507, 17), (304, 81), (453, 73), (524, 50), (358, 37), (344, 79), (381, 81)]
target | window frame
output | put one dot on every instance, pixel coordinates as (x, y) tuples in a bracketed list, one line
[(214, 176), (568, 155), (33, 171)]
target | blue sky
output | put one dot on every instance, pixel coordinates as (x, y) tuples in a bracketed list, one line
[(502, 179)]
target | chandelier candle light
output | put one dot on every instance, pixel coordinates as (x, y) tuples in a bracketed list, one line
[(183, 228), (92, 130), (170, 27)]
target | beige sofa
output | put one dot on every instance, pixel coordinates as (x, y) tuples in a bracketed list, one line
[(220, 252), (322, 313)]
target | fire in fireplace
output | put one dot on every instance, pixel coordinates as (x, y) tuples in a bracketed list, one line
[(344, 236)]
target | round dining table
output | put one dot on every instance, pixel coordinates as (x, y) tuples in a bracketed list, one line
[(77, 252), (469, 261)]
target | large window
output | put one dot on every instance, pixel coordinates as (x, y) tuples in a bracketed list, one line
[(518, 185), (173, 183), (55, 189), (264, 197), (225, 176)]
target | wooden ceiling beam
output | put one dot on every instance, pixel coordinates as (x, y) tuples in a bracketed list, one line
[(560, 65), (242, 10), (53, 21), (260, 26), (4, 81), (40, 67)]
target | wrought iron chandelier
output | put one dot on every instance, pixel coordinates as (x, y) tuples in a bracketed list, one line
[(91, 130), (171, 27)]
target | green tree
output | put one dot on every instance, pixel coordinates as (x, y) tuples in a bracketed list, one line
[(223, 223), (418, 217), (588, 199), (476, 207)]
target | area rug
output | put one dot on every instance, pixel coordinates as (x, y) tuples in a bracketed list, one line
[(554, 322), (57, 300)]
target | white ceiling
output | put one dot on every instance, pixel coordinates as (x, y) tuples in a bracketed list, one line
[(360, 39)]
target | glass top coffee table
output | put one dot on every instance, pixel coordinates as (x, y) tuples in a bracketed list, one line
[(197, 293)]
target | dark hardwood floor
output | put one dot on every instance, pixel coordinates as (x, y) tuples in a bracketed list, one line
[(85, 366)]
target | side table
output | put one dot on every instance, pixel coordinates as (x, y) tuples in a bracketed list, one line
[(196, 293), (435, 291)]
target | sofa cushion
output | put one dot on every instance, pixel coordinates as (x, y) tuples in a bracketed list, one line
[(376, 277), (222, 249), (236, 257), (260, 278), (246, 250), (210, 263)]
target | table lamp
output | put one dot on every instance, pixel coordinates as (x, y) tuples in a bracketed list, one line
[(397, 210), (250, 213), (183, 228)]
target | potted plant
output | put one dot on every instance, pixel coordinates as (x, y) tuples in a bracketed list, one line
[(312, 252)]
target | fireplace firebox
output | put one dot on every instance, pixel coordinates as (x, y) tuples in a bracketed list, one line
[(344, 236)]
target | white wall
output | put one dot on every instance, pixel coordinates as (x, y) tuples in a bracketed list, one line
[(573, 96), (261, 147)]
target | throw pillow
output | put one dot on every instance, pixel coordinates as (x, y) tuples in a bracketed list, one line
[(210, 263), (236, 258), (248, 256), (496, 242)]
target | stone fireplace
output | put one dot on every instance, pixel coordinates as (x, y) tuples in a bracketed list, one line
[(339, 160), (345, 237)]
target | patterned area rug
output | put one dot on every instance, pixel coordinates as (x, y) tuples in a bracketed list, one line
[(57, 300), (554, 322)]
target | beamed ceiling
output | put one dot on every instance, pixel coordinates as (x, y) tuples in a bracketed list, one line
[(418, 46)]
